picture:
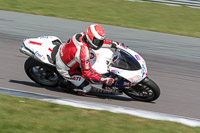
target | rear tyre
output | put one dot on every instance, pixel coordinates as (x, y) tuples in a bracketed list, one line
[(41, 73), (146, 91)]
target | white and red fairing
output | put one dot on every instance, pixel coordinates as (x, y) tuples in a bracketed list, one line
[(102, 63), (40, 48)]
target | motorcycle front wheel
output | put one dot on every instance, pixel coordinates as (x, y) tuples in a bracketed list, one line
[(41, 73), (147, 91)]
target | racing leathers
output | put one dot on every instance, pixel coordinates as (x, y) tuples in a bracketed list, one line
[(73, 63)]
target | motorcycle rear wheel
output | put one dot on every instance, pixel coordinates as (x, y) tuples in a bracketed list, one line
[(41, 73), (146, 91)]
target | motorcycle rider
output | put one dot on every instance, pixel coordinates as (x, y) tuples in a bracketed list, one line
[(73, 59)]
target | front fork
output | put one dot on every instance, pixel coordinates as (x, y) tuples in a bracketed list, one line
[(145, 80)]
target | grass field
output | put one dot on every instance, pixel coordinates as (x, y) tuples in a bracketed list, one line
[(141, 15), (22, 115)]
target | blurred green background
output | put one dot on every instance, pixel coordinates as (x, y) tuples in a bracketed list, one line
[(140, 15)]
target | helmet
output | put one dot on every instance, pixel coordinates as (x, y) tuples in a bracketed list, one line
[(95, 35)]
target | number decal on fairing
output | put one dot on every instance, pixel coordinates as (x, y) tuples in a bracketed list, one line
[(143, 70)]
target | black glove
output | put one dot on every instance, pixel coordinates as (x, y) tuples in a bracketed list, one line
[(114, 44)]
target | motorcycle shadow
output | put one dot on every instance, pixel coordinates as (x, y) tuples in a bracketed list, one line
[(109, 96), (32, 84), (89, 95)]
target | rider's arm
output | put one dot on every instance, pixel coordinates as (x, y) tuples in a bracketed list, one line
[(109, 43), (87, 71)]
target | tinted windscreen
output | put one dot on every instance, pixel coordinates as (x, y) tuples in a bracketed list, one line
[(126, 61)]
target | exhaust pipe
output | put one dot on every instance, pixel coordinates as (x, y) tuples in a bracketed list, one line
[(28, 52), (25, 51)]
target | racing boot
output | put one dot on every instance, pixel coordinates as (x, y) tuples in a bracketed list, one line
[(65, 86), (83, 88), (80, 92)]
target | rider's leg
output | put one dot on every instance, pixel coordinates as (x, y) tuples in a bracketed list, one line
[(74, 77), (75, 81), (79, 83)]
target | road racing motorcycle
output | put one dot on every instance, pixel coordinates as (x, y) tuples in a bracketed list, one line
[(127, 67)]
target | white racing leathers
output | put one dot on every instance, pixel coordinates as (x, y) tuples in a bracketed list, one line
[(73, 63)]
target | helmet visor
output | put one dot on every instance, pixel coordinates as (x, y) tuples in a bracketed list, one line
[(98, 43)]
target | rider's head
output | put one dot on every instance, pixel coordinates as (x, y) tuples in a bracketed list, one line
[(95, 36)]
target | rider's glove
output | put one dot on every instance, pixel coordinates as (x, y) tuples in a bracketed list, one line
[(114, 44), (107, 81), (121, 44)]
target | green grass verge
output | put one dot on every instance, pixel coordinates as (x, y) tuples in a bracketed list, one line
[(22, 115), (141, 15)]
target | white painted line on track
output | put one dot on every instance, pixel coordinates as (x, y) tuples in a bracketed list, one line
[(126, 110), (100, 106)]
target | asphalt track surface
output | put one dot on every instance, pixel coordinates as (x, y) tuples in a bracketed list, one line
[(172, 61)]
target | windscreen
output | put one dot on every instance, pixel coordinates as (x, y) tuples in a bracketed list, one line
[(126, 61)]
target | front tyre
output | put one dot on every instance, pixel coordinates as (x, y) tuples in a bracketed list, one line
[(146, 91), (41, 73)]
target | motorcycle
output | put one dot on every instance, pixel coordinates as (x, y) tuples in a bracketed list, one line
[(127, 67)]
